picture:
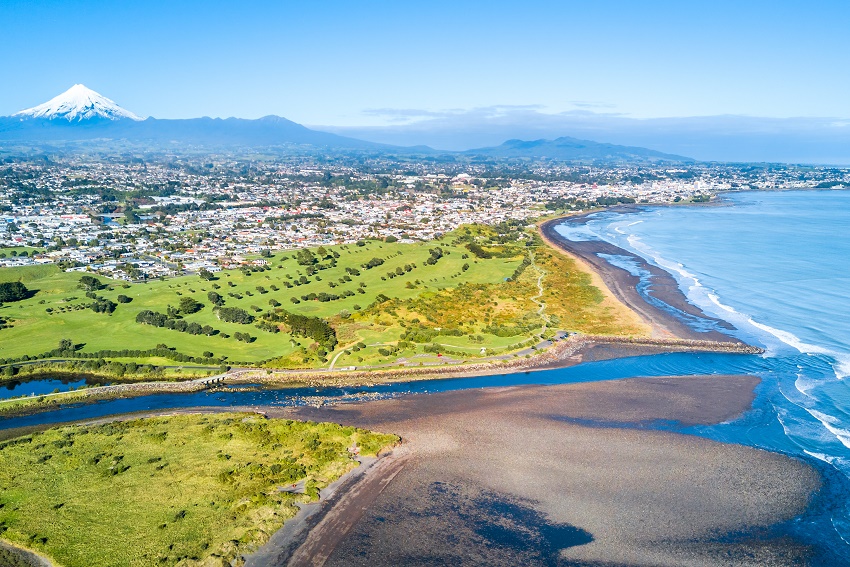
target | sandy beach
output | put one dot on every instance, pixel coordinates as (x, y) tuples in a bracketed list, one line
[(580, 474), (623, 285)]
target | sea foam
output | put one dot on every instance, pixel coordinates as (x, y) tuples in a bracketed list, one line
[(831, 424), (698, 294)]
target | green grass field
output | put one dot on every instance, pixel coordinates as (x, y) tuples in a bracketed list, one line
[(460, 291), (179, 490), (11, 251)]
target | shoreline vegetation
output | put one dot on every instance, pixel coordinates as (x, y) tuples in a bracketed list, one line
[(189, 488), (616, 287)]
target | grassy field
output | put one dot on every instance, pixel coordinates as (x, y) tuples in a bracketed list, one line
[(12, 251), (179, 490), (464, 294)]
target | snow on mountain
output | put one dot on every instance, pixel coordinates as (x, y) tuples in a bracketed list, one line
[(77, 104)]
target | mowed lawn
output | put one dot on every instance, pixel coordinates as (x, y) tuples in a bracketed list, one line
[(34, 330), (184, 489)]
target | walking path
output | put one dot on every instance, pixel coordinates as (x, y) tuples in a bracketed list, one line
[(536, 298)]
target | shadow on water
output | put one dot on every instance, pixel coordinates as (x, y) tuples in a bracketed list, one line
[(510, 524), (452, 523)]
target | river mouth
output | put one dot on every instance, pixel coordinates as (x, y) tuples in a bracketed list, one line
[(667, 364)]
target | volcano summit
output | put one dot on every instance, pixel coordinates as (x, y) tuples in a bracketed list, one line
[(77, 104)]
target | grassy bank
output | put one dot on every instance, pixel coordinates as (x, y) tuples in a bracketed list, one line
[(184, 489)]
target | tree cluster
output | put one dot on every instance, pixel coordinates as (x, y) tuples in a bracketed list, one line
[(91, 283), (156, 319), (436, 254), (13, 291), (373, 263), (312, 327), (234, 315)]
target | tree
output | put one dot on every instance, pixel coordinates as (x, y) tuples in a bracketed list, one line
[(305, 257), (91, 283), (206, 274), (13, 291), (189, 306)]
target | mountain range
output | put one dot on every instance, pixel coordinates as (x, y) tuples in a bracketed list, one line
[(81, 114)]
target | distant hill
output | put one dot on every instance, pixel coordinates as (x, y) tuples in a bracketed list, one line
[(573, 149), (81, 114), (267, 131)]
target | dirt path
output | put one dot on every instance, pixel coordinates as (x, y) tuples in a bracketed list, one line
[(537, 298)]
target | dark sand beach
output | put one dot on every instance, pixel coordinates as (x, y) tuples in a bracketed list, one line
[(575, 474), (623, 285)]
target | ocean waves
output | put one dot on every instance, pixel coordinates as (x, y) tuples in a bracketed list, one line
[(774, 266)]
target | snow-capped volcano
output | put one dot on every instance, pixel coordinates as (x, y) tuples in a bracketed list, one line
[(77, 104)]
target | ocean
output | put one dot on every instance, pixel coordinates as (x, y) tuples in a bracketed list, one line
[(775, 265)]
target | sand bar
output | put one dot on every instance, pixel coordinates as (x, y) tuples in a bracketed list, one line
[(569, 474)]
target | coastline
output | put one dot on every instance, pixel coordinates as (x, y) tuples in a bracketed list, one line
[(624, 286), (638, 405)]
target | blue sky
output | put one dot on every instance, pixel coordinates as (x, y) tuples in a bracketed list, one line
[(381, 63)]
